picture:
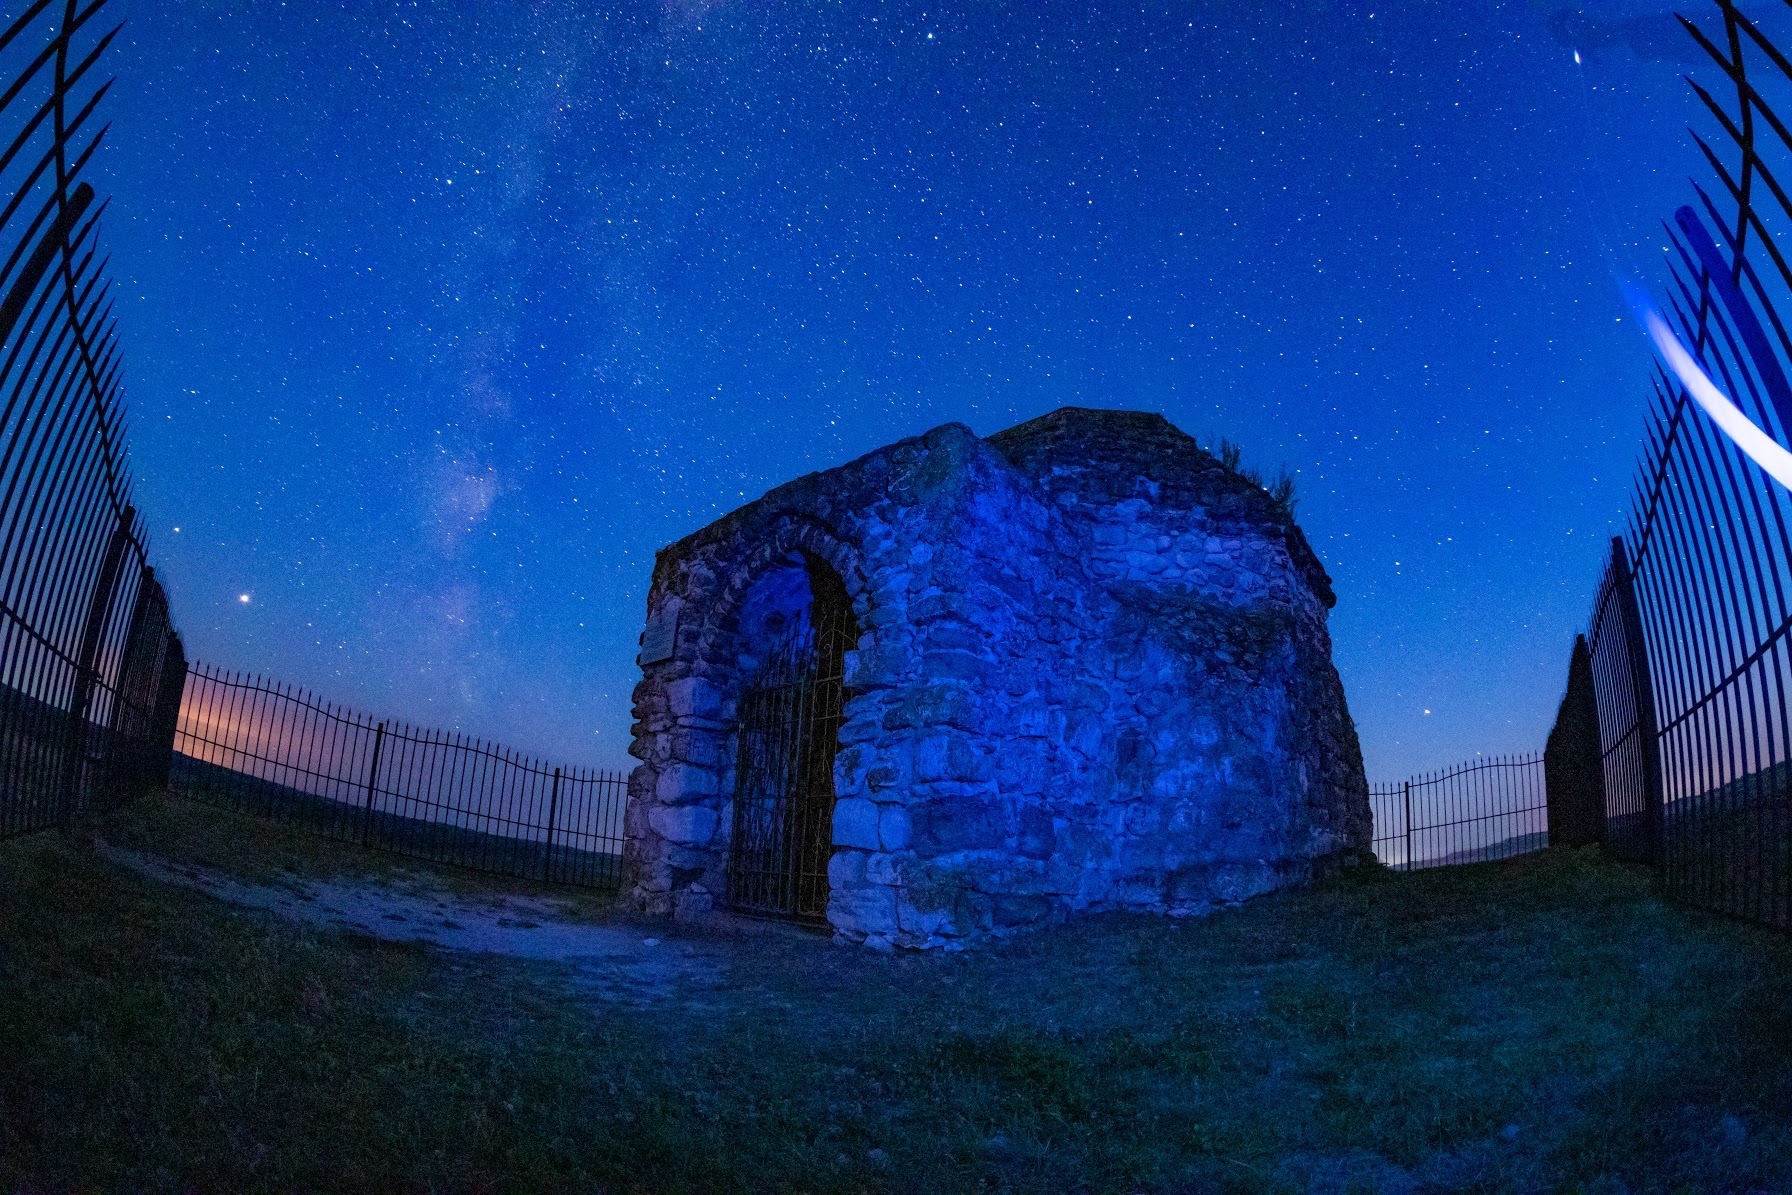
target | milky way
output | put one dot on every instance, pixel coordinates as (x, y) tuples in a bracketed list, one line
[(440, 321)]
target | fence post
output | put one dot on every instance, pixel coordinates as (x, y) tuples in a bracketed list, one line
[(99, 609), (1643, 692), (1406, 792), (547, 858), (373, 774)]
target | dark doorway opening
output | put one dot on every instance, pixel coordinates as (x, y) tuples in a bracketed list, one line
[(796, 628)]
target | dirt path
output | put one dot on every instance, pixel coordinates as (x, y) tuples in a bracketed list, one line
[(618, 960)]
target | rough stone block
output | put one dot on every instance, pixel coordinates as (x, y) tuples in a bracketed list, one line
[(950, 757), (691, 904), (1037, 838), (880, 666), (693, 697), (957, 666), (864, 722), (972, 913), (885, 868), (1029, 718), (943, 825), (692, 859), (1022, 769), (1086, 732), (931, 607), (935, 704), (852, 768), (683, 784), (895, 828), (690, 824), (857, 911), (954, 636), (855, 824), (888, 778), (703, 748)]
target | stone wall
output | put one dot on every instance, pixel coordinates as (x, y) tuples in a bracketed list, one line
[(1093, 672)]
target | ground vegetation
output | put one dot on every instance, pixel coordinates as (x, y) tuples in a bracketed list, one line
[(1541, 1023)]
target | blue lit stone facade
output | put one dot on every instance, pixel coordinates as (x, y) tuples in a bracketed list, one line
[(1093, 673)]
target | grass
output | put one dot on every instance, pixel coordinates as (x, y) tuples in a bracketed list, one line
[(443, 840), (258, 850), (1728, 850), (1541, 1023)]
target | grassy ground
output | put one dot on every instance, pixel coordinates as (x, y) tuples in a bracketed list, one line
[(260, 851), (1542, 1023)]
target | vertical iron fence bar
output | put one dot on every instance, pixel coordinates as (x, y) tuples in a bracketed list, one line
[(1724, 740), (547, 856), (373, 774), (336, 738), (232, 721), (1406, 791), (85, 677), (1724, 800), (1703, 748), (453, 773)]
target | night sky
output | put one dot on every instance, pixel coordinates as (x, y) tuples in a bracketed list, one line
[(440, 319)]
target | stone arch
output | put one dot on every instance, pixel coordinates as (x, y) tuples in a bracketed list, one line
[(764, 548), (682, 800)]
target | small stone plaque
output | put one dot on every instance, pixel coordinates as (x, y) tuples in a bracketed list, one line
[(660, 637)]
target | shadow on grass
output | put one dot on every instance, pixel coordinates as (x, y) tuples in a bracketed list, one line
[(1539, 1023)]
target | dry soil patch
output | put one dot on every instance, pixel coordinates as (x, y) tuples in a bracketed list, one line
[(632, 962)]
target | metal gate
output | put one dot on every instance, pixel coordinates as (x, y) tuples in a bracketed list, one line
[(789, 725)]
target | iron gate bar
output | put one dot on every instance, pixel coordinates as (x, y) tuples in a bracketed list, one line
[(788, 723)]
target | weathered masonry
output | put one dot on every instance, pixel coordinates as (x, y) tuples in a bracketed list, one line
[(962, 685)]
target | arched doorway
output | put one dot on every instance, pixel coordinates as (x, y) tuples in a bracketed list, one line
[(796, 626)]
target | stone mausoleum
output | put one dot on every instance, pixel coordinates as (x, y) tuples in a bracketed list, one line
[(965, 685)]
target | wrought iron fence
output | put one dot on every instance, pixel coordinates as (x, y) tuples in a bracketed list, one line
[(1477, 811), (271, 749), (90, 666), (1688, 632)]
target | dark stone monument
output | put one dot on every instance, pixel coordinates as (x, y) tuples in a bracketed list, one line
[(1573, 777), (1081, 665)]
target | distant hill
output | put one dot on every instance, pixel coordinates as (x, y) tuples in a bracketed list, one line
[(1518, 844)]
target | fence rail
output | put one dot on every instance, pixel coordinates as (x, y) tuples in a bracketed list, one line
[(1477, 811), (90, 666), (263, 747)]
